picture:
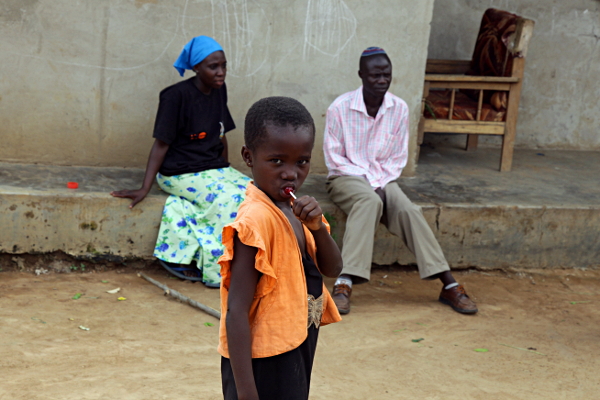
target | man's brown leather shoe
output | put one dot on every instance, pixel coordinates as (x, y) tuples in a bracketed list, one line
[(458, 299), (341, 297)]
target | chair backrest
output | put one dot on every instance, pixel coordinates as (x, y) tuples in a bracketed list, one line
[(502, 37)]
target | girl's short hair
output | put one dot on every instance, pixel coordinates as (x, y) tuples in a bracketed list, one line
[(276, 110)]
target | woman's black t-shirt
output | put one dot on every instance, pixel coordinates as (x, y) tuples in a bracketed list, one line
[(190, 122)]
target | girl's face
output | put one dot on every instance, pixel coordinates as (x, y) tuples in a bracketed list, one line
[(281, 161), (211, 72)]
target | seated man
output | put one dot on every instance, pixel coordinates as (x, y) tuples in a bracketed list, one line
[(366, 147)]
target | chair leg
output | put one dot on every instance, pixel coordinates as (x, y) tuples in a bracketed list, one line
[(508, 144), (471, 142), (514, 96)]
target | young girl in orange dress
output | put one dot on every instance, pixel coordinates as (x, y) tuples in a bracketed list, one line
[(273, 301)]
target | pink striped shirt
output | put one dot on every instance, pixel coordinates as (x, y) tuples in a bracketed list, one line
[(357, 144)]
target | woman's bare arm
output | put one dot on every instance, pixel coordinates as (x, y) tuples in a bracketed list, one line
[(155, 160), (225, 153)]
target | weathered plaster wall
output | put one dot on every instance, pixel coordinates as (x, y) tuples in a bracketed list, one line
[(79, 81), (559, 103)]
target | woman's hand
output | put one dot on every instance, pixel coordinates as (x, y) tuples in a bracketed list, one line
[(155, 160), (309, 212), (135, 195)]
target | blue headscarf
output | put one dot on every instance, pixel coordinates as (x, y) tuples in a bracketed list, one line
[(195, 51)]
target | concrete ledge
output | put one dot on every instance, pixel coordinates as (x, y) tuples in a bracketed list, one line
[(80, 224), (487, 229), (516, 236), (498, 237)]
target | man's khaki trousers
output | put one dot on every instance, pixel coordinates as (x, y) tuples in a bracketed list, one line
[(355, 196)]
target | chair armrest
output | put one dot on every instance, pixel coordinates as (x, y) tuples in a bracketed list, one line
[(470, 82), (435, 66)]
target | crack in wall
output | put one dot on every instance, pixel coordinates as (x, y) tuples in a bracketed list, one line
[(592, 35), (590, 61), (102, 94)]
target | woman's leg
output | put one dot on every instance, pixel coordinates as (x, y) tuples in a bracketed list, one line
[(199, 206), (229, 190)]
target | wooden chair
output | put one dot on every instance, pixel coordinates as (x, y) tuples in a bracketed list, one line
[(480, 96)]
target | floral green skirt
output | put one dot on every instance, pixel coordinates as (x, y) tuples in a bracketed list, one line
[(194, 215)]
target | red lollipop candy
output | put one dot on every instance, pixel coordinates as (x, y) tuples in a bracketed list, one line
[(289, 191)]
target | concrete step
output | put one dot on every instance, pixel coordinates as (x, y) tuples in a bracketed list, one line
[(543, 214)]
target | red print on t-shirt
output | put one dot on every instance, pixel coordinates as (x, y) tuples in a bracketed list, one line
[(197, 136)]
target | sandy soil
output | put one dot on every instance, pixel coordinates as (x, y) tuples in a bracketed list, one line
[(152, 347)]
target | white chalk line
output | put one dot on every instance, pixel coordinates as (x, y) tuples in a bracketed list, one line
[(238, 41), (95, 66), (327, 34)]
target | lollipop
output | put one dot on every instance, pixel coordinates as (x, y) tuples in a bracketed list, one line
[(289, 191)]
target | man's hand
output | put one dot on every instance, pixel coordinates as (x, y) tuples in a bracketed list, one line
[(381, 194), (309, 212)]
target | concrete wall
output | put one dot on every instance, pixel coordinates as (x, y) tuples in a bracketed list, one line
[(79, 80), (559, 103), (89, 225)]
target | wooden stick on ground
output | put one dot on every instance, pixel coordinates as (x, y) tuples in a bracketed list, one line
[(179, 296), (520, 348)]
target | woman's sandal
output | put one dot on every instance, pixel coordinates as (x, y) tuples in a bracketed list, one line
[(177, 269)]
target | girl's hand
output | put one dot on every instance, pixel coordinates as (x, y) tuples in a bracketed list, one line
[(309, 212), (136, 195)]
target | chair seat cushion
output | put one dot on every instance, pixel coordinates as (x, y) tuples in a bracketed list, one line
[(465, 109)]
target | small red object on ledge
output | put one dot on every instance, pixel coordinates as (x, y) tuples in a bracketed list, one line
[(72, 185)]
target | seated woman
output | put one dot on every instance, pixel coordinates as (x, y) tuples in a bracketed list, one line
[(189, 161)]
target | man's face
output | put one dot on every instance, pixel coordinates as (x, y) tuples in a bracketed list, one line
[(376, 75)]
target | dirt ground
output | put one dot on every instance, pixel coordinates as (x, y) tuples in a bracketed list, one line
[(153, 347)]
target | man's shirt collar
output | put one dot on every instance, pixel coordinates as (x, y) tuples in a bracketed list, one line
[(358, 102)]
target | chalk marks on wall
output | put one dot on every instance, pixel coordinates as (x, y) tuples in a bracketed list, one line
[(243, 29), (329, 27), (136, 34)]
